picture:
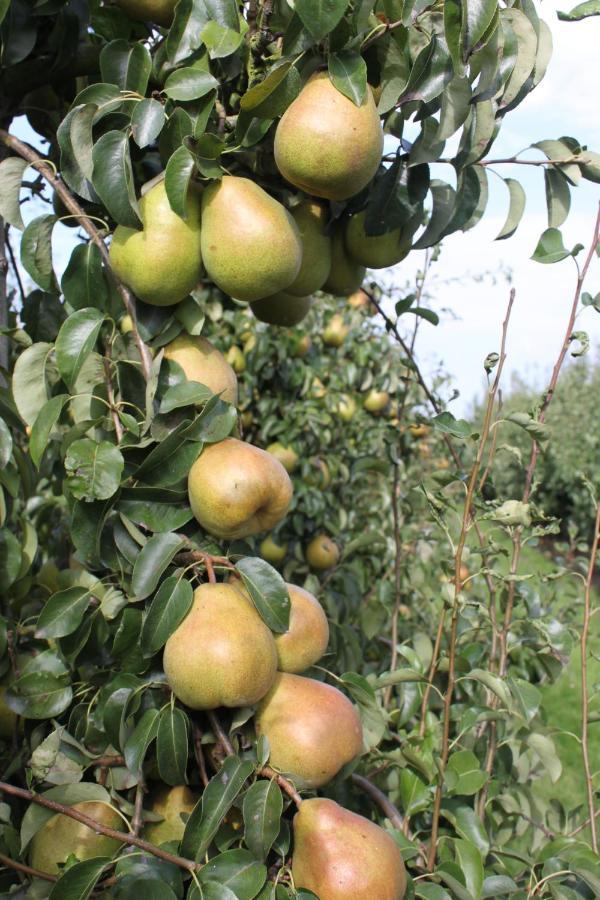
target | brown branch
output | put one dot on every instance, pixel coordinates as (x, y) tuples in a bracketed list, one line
[(34, 159), (190, 557), (14, 265), (585, 750), (583, 825), (110, 396), (383, 802), (397, 581), (138, 811), (106, 762), (199, 753), (26, 870)]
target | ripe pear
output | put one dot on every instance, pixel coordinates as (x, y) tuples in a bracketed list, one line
[(236, 489), (307, 637), (335, 332), (322, 553), (376, 401), (170, 803), (271, 551), (375, 251), (202, 362), (222, 654), (62, 836), (161, 263), (282, 309), (287, 456), (346, 275), (340, 855), (251, 246), (346, 408), (311, 219), (325, 144), (312, 728), (158, 11), (236, 359)]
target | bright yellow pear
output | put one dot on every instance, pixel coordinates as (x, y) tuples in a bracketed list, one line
[(306, 639), (62, 836), (169, 803), (311, 219), (202, 362), (282, 309)]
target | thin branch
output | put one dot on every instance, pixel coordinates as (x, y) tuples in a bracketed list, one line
[(199, 753), (397, 581), (26, 870), (138, 812), (589, 783), (110, 395), (583, 825), (382, 800), (14, 265)]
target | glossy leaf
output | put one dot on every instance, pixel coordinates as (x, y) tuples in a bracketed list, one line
[(172, 746), (137, 744), (477, 16), (274, 94), (154, 558), (558, 197), (550, 248), (469, 858), (36, 252), (443, 207), (320, 17), (262, 809), (11, 176), (78, 882), (62, 613), (113, 178), (30, 380), (178, 175), (526, 53), (126, 65), (94, 469), (348, 72), (76, 340), (83, 283), (75, 138), (237, 870), (189, 83), (169, 607), (267, 590), (147, 121), (515, 210), (39, 695), (581, 11), (219, 40)]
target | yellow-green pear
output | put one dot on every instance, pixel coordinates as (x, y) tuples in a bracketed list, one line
[(318, 389), (339, 855), (202, 362), (301, 346), (335, 332), (346, 408), (322, 553), (236, 359), (312, 728), (126, 324), (311, 219), (376, 401), (62, 836), (158, 11), (318, 474), (375, 251), (271, 551), (306, 639), (325, 144), (287, 456), (236, 489), (161, 263), (222, 654), (346, 275), (169, 803), (251, 246), (282, 309)]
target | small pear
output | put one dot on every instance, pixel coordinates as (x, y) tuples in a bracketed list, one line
[(339, 855), (336, 331), (251, 246), (325, 144), (271, 551), (169, 803), (318, 475), (311, 219), (158, 11), (301, 346), (161, 263), (62, 836), (376, 401), (312, 728), (236, 359), (306, 639), (236, 489), (322, 553), (376, 251), (282, 309), (287, 456), (346, 275), (346, 408), (222, 654), (318, 389), (202, 362)]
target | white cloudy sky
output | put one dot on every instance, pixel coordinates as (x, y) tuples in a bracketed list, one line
[(566, 103)]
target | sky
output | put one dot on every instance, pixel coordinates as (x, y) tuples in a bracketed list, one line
[(469, 287)]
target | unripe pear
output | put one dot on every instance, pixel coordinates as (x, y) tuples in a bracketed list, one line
[(202, 362), (322, 553), (339, 855), (346, 408), (318, 389), (346, 275), (236, 359), (287, 456), (325, 144), (282, 309), (251, 246), (359, 299), (158, 11), (302, 346), (335, 332), (311, 219), (236, 489), (271, 551), (376, 251), (376, 401), (126, 324), (161, 263), (222, 654), (169, 803), (312, 728), (306, 639), (62, 836)]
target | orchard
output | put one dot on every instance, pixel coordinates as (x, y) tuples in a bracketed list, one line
[(274, 622)]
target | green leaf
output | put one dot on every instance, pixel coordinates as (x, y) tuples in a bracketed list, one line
[(320, 17), (558, 197), (76, 340), (237, 870), (477, 16), (62, 613), (172, 746), (147, 121), (493, 682), (147, 507), (128, 65), (581, 11), (414, 792), (78, 882), (274, 94), (178, 176), (155, 556), (431, 72), (515, 210), (467, 776), (550, 248), (30, 382), (113, 178), (446, 423), (262, 809), (67, 794), (188, 393), (6, 444), (219, 40), (443, 207), (190, 83), (10, 559), (348, 73), (468, 857), (526, 53), (36, 252), (94, 469), (268, 591), (168, 609), (11, 176), (217, 799), (456, 104), (75, 139), (496, 885), (39, 695), (83, 282), (467, 823), (137, 744), (544, 747)]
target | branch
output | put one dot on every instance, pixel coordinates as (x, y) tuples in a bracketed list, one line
[(34, 159), (383, 802), (110, 396), (589, 783), (26, 870), (397, 581)]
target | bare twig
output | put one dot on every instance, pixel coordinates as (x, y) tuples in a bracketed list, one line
[(585, 749), (382, 800), (138, 811), (397, 581), (199, 753), (14, 266), (26, 870)]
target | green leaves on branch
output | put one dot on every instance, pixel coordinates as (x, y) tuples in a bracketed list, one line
[(267, 590)]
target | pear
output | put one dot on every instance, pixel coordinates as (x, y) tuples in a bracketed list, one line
[(202, 362), (287, 456), (322, 553), (376, 251), (236, 359), (301, 346), (282, 309), (318, 389), (340, 855), (346, 408), (62, 836), (346, 275), (312, 728), (325, 144), (222, 654), (251, 246), (318, 475), (271, 551), (311, 219), (335, 332), (236, 489), (158, 11), (306, 639), (169, 803), (376, 401), (161, 263)]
